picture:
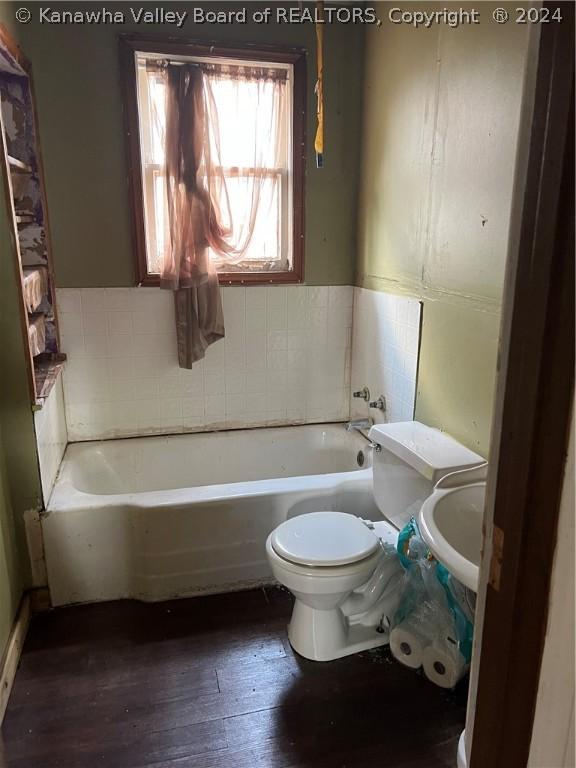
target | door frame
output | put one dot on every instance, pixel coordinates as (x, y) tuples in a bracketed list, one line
[(531, 422)]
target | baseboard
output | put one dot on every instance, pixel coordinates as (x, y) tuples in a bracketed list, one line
[(11, 657), (40, 600)]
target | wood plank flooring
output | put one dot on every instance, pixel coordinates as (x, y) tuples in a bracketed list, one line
[(212, 682)]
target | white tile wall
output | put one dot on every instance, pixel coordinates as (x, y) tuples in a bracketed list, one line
[(285, 360), (386, 334), (51, 437)]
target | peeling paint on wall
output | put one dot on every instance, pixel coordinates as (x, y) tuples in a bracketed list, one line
[(17, 118), (441, 120)]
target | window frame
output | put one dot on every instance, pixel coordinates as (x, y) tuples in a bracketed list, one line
[(129, 46)]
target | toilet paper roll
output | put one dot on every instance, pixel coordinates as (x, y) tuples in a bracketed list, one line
[(443, 664), (409, 638), (407, 647)]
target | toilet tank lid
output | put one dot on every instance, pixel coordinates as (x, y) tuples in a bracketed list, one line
[(429, 451)]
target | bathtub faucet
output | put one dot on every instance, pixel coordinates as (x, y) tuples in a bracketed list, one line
[(360, 424)]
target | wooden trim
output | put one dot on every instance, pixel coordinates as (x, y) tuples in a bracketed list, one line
[(40, 600), (129, 45), (12, 653), (299, 166), (282, 54), (133, 153), (8, 42), (530, 433), (261, 278), (240, 278)]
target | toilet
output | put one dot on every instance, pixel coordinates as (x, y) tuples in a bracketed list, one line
[(341, 569)]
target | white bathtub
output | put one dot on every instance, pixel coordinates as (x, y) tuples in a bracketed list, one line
[(161, 517)]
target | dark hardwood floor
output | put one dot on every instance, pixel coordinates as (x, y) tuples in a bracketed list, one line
[(212, 682)]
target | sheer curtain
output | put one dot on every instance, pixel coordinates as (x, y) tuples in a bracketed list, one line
[(222, 139)]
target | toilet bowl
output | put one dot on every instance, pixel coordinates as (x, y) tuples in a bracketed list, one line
[(342, 570), (343, 564)]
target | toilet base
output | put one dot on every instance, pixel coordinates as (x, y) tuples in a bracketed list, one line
[(321, 635)]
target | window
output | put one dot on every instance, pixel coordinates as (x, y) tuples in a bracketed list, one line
[(266, 109)]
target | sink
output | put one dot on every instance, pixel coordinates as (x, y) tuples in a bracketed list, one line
[(451, 525)]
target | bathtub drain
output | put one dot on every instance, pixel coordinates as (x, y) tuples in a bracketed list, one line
[(360, 458)]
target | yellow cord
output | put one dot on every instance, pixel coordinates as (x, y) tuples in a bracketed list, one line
[(319, 139)]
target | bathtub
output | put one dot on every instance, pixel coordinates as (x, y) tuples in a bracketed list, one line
[(161, 517)]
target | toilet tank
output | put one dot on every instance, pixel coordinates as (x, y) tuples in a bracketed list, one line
[(413, 457)]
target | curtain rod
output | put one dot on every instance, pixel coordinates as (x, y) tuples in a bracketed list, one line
[(163, 63), (271, 72)]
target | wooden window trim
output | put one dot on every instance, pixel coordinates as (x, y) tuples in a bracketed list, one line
[(129, 45)]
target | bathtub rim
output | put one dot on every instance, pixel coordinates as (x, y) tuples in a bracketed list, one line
[(66, 497)]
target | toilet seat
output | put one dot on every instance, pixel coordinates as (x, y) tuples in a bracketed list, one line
[(324, 539)]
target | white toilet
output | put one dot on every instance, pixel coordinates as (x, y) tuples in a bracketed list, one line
[(340, 568)]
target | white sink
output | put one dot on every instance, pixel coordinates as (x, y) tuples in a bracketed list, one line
[(451, 525)]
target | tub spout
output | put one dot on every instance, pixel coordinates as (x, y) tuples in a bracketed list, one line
[(360, 424)]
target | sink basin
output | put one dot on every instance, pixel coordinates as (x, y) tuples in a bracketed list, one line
[(451, 525)]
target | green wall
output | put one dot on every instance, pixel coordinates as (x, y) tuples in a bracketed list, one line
[(19, 475), (441, 117), (77, 80), (21, 479), (11, 579), (16, 416)]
